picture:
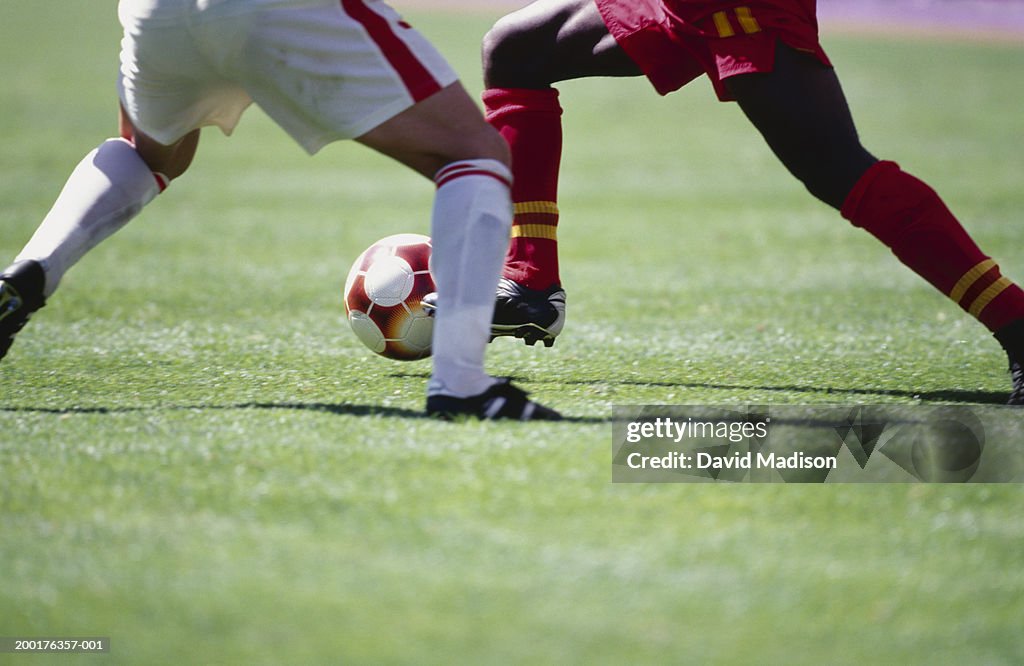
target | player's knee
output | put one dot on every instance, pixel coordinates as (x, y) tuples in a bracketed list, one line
[(512, 57), (171, 160), (833, 181), (825, 188), (485, 143), (494, 147), (482, 143)]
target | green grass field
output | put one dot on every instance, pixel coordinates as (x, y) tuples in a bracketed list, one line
[(199, 460)]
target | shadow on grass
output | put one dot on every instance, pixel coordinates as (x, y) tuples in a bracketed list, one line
[(956, 396), (375, 410), (940, 396), (339, 409)]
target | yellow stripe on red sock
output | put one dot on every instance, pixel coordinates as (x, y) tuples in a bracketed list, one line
[(535, 207), (979, 287), (535, 219), (546, 231), (987, 296), (969, 278)]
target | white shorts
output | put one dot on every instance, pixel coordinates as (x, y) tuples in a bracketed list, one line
[(322, 69)]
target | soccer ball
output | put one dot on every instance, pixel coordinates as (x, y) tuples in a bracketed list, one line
[(383, 294)]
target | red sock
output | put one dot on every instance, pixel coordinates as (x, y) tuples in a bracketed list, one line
[(910, 218), (531, 122)]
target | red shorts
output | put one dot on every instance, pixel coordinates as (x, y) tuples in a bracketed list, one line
[(675, 41)]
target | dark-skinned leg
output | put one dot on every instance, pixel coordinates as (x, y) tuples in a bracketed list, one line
[(526, 51), (800, 110), (802, 113), (550, 41)]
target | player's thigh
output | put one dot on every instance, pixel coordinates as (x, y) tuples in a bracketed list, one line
[(800, 109), (167, 86), (444, 128), (326, 71), (549, 41)]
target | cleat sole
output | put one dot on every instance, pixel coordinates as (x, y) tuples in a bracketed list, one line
[(531, 334)]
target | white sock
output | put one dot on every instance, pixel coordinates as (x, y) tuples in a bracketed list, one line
[(470, 234), (107, 189)]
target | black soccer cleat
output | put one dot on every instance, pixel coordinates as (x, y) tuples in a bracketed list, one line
[(1017, 375), (21, 294), (530, 314), (1011, 337), (501, 401)]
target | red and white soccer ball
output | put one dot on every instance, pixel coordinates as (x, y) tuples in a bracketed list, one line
[(384, 293)]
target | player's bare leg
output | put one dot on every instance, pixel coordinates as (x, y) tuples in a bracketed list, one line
[(800, 110), (550, 41), (445, 138), (524, 53), (170, 161), (108, 188)]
